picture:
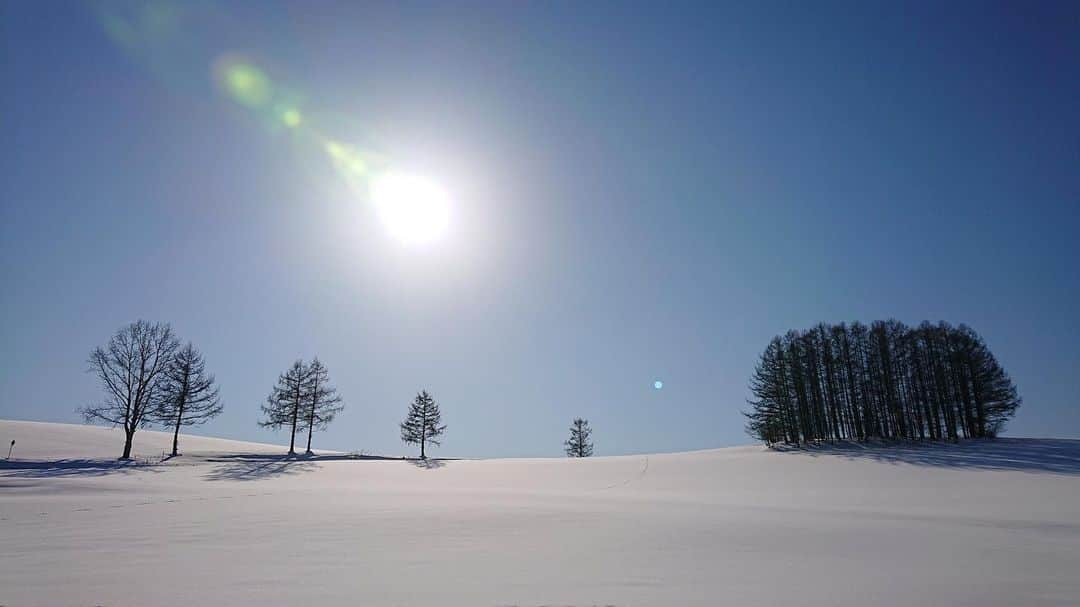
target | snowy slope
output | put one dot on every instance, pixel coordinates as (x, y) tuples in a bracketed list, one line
[(47, 441), (235, 524)]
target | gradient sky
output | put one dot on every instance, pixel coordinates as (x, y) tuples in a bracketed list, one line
[(639, 192)]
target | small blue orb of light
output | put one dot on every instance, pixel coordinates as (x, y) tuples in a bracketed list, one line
[(658, 384)]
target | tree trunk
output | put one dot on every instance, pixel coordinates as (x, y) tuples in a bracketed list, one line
[(176, 438), (309, 437), (176, 433), (295, 415), (423, 432), (311, 415), (292, 434), (127, 445), (180, 413)]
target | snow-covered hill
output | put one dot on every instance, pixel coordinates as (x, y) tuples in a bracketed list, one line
[(47, 441), (234, 523)]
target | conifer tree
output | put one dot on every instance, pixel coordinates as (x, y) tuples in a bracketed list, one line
[(284, 405), (885, 381), (423, 423), (579, 445), (188, 395), (321, 400)]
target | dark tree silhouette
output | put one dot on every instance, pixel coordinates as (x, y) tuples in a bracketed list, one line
[(422, 424), (887, 381), (284, 405), (321, 400), (131, 367), (188, 395), (579, 445)]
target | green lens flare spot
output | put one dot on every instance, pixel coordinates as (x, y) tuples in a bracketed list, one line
[(346, 159), (247, 85), (291, 118)]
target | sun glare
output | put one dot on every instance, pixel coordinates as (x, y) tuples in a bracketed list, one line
[(414, 210)]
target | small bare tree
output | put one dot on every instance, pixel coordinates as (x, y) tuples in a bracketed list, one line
[(188, 395), (131, 367)]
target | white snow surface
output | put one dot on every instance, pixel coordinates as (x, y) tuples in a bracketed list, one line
[(237, 524)]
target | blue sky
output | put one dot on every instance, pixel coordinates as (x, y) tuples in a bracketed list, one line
[(639, 192)]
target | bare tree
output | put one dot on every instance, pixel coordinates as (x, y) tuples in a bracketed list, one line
[(578, 445), (422, 424), (188, 395), (321, 400), (131, 367), (285, 402)]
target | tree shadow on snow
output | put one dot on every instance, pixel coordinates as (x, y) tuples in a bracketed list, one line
[(1055, 456), (427, 464), (62, 468), (255, 466)]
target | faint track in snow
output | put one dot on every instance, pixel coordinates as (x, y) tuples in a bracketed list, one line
[(638, 476)]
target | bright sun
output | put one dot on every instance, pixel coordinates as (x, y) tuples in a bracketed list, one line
[(415, 210)]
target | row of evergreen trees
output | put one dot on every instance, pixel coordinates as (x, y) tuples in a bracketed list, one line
[(887, 381)]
